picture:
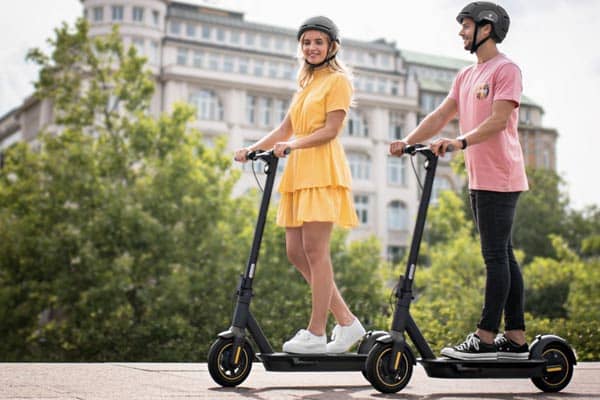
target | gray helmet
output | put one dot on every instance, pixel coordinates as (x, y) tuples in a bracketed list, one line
[(483, 12), (322, 24)]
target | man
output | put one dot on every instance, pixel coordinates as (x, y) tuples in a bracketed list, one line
[(486, 98)]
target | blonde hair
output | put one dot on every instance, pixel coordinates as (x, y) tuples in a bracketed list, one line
[(306, 71)]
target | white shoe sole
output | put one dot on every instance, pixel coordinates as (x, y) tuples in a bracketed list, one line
[(457, 355)]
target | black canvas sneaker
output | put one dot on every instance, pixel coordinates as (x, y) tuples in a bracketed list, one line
[(472, 349), (509, 350)]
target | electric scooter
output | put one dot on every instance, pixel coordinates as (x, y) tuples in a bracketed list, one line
[(390, 361), (230, 357)]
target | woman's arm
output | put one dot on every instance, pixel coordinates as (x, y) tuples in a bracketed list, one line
[(281, 133), (333, 125)]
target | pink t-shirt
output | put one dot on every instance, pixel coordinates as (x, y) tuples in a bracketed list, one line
[(496, 164)]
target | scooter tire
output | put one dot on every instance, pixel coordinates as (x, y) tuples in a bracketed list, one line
[(219, 363), (379, 373)]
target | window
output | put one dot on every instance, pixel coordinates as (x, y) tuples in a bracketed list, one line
[(98, 14), (396, 131), (198, 59), (356, 125), (279, 44), (155, 17), (395, 254), (395, 89), (181, 56), (117, 13), (175, 27), (206, 32), (235, 37), (228, 64), (220, 35), (281, 108), (397, 216), (208, 106), (382, 86), (288, 71), (154, 52), (190, 30), (138, 43), (250, 37), (369, 85), (265, 42), (361, 204), (259, 67), (138, 14), (250, 109), (213, 62), (265, 110), (273, 70), (396, 169), (360, 166), (243, 65)]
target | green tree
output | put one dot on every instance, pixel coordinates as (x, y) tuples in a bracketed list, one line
[(112, 231), (541, 211)]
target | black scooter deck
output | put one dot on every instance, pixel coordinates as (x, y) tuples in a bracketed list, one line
[(312, 362), (449, 368)]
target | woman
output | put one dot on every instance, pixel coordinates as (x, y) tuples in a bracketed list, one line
[(315, 186)]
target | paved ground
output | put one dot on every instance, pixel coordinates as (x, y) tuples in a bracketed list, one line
[(192, 381)]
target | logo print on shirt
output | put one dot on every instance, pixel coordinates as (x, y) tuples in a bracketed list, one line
[(483, 90)]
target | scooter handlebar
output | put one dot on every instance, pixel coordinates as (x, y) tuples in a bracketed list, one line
[(412, 149), (264, 155)]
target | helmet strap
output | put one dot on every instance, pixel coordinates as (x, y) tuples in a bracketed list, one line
[(474, 46)]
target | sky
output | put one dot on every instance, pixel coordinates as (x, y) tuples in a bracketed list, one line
[(553, 41)]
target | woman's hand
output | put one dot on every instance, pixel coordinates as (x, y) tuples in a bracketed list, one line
[(439, 147), (280, 148), (397, 147), (240, 154)]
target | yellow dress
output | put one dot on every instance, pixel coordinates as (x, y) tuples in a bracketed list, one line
[(316, 182)]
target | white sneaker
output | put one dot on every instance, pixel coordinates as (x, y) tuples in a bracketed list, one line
[(306, 343), (343, 337)]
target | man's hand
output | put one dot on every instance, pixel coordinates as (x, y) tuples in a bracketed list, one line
[(439, 147)]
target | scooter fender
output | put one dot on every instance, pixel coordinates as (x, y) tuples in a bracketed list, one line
[(369, 340), (387, 339), (536, 348), (228, 334)]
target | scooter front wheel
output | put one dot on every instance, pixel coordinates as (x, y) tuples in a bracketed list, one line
[(559, 369), (380, 372), (220, 365)]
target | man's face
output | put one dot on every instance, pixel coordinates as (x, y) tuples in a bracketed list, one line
[(467, 27)]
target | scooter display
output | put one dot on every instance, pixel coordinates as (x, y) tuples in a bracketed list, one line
[(390, 361), (231, 356)]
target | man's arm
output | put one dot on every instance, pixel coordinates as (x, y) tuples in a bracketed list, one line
[(494, 124), (429, 127)]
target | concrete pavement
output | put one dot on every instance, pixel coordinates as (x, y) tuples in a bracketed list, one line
[(132, 381)]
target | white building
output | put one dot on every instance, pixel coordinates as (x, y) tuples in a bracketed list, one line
[(241, 77)]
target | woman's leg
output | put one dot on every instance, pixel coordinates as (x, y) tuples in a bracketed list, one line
[(315, 240), (297, 256)]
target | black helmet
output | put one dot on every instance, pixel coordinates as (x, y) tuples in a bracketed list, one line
[(322, 24), (484, 12)]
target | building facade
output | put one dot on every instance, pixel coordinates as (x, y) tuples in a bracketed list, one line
[(240, 76)]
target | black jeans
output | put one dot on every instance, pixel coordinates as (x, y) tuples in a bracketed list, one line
[(494, 214)]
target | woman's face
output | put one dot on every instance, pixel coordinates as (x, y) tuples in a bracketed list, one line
[(314, 46)]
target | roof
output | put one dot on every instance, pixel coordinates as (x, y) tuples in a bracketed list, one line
[(435, 85), (431, 60)]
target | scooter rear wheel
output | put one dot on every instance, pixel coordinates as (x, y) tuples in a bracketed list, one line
[(381, 375), (222, 369), (559, 370)]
